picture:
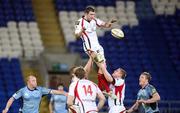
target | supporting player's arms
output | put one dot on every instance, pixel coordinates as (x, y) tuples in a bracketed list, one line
[(88, 66), (107, 75), (8, 105)]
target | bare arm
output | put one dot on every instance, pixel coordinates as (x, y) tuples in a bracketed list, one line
[(58, 92), (70, 100), (88, 66), (51, 107), (109, 23), (155, 98), (8, 105), (107, 75), (101, 100), (133, 108)]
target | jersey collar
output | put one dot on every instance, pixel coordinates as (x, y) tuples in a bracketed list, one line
[(145, 86), (31, 89), (85, 19)]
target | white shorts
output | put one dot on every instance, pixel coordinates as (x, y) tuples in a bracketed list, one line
[(98, 49), (117, 109)]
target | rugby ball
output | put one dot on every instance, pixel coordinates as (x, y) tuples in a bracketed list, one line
[(117, 33)]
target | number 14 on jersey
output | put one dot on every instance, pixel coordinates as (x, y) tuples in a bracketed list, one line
[(87, 89)]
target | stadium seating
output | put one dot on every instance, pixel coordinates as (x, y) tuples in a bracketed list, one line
[(19, 32), (10, 81), (19, 37)]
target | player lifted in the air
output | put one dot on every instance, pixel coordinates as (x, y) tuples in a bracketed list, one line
[(85, 28)]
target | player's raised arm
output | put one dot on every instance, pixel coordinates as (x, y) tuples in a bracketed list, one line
[(107, 75), (109, 23), (88, 66)]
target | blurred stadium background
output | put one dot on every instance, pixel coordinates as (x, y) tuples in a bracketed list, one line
[(36, 36)]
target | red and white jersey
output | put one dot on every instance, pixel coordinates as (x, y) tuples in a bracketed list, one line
[(89, 37), (118, 88), (85, 93)]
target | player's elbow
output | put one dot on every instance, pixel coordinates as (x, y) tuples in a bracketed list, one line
[(69, 103), (70, 100), (11, 99), (158, 98)]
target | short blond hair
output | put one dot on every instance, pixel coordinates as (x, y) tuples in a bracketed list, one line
[(148, 76)]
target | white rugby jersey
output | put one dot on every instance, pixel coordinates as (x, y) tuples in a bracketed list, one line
[(118, 88), (85, 93), (89, 37)]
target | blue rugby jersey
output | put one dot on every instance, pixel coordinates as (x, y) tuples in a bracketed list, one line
[(31, 98), (147, 93), (59, 103)]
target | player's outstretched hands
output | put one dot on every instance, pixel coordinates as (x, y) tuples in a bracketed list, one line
[(113, 20)]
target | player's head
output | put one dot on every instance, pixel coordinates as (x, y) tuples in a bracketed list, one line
[(144, 78), (60, 86), (89, 13), (31, 81), (119, 73), (72, 73), (80, 72)]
